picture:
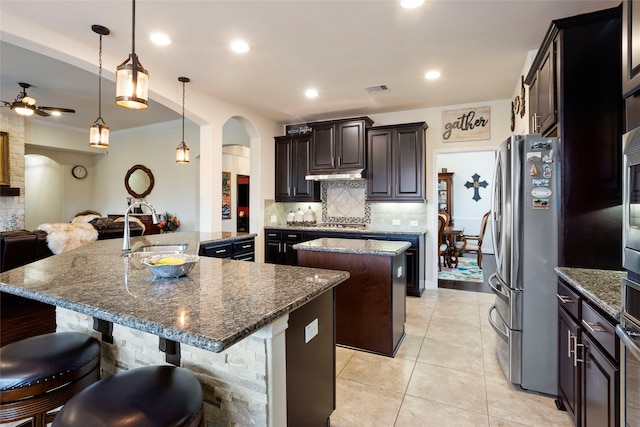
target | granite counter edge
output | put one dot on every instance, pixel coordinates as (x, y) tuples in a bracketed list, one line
[(184, 337), (575, 277)]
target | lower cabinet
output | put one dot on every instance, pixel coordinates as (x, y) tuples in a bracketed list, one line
[(589, 361), (311, 362), (242, 249), (279, 250)]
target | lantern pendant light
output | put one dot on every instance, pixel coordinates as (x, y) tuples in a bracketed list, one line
[(99, 131), (132, 80), (182, 152)]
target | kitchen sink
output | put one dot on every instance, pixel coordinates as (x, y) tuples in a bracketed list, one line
[(145, 251)]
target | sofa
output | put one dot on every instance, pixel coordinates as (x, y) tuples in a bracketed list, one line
[(22, 317)]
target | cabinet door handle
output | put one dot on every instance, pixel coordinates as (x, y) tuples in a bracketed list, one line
[(569, 344), (221, 251), (575, 351), (593, 327), (246, 246), (564, 299)]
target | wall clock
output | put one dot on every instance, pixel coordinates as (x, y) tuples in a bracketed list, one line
[(79, 172)]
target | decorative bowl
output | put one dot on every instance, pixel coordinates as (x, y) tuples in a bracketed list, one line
[(170, 265)]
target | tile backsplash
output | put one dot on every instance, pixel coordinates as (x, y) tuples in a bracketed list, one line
[(344, 202)]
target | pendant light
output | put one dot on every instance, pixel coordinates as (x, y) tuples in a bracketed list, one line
[(132, 80), (99, 131), (182, 152)]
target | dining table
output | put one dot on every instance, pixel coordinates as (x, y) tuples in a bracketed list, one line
[(451, 236)]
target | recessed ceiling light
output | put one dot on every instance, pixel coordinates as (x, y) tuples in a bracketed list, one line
[(411, 4), (311, 93), (160, 39), (240, 46), (432, 75)]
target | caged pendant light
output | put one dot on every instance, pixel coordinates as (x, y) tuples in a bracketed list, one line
[(99, 131), (182, 152), (132, 80)]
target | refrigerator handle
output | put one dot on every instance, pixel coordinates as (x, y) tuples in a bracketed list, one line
[(495, 327), (497, 287), (494, 230)]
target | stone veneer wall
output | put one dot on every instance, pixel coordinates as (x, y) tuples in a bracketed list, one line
[(234, 382), (12, 208)]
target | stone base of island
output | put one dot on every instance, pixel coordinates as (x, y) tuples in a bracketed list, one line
[(227, 321), (370, 305)]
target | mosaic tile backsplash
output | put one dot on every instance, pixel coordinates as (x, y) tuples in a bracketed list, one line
[(345, 202)]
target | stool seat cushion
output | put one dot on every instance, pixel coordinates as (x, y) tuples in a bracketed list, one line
[(149, 396), (45, 358)]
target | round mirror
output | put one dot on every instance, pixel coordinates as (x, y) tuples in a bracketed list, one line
[(139, 181)]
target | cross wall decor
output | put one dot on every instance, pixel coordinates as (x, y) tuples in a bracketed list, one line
[(476, 184)]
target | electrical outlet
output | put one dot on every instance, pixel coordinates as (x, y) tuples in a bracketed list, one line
[(399, 272), (395, 222), (311, 330), (413, 223), (274, 219)]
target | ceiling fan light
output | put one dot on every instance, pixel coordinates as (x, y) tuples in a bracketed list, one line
[(29, 100), (132, 84), (182, 153), (99, 134), (23, 109)]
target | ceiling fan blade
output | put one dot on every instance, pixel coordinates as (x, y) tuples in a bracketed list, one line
[(41, 113), (60, 109)]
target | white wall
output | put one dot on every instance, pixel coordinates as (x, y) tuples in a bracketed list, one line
[(44, 202)]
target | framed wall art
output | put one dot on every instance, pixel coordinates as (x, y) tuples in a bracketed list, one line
[(226, 195)]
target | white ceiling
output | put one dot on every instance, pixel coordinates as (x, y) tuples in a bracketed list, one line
[(338, 47)]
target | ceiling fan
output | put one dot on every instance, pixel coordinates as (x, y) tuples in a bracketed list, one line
[(26, 105)]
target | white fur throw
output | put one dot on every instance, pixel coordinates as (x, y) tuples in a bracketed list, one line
[(62, 237)]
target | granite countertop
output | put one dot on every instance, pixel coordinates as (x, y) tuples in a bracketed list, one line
[(219, 303), (603, 287), (416, 231), (350, 246)]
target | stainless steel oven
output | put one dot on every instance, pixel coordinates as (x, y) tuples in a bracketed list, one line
[(629, 332), (631, 201)]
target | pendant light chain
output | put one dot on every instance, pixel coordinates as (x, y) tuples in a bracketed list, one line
[(183, 83), (100, 80)]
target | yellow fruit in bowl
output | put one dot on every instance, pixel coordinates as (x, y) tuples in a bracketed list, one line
[(169, 261)]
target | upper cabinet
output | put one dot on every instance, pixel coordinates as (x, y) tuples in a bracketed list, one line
[(630, 47), (292, 165), (395, 163), (339, 145), (542, 91)]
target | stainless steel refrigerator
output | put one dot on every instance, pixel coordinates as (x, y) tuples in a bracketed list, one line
[(524, 216)]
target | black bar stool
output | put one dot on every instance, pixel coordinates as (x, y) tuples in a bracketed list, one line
[(41, 373), (153, 396)]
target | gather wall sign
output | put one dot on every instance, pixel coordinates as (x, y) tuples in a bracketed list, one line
[(466, 124)]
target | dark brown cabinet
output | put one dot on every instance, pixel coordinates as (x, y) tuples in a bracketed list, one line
[(395, 163), (339, 145), (542, 92), (241, 249), (589, 358), (292, 165), (279, 246), (580, 58)]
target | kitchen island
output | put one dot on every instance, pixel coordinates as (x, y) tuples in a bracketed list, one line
[(370, 305), (225, 320)]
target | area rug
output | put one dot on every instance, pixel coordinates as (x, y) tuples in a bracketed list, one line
[(467, 271)]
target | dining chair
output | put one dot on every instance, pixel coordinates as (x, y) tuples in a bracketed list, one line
[(443, 247), (470, 243)]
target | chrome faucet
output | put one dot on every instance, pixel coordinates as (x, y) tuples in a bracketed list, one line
[(126, 246)]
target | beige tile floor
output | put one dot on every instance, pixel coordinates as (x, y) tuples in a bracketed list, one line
[(445, 374)]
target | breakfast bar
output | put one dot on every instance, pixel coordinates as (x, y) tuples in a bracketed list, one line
[(225, 320)]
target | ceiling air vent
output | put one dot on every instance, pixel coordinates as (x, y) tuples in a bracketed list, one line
[(376, 88)]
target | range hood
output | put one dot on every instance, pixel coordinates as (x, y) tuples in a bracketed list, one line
[(339, 175)]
